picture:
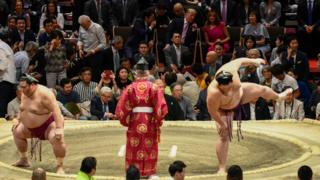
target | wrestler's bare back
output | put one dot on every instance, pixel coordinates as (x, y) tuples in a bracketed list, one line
[(33, 110)]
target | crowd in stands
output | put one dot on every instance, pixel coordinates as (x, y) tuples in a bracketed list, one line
[(89, 64)]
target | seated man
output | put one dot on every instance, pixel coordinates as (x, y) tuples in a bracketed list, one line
[(39, 117), (103, 107), (88, 169), (226, 93), (144, 51), (177, 170), (13, 106), (290, 108), (184, 102)]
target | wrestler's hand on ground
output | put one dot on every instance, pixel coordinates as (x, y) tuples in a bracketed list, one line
[(58, 133)]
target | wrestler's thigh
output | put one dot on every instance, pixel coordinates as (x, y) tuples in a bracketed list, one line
[(21, 132), (50, 134), (251, 91), (225, 134)]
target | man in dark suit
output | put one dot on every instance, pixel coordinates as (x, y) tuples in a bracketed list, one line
[(260, 108), (126, 10), (103, 107), (227, 11), (296, 60), (21, 33), (141, 31), (114, 54), (100, 11), (308, 28), (174, 54), (184, 26)]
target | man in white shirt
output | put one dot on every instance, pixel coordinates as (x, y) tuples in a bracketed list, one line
[(280, 80), (7, 76)]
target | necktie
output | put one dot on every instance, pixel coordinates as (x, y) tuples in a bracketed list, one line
[(124, 10), (223, 11), (116, 61), (99, 11), (309, 12), (105, 110), (184, 32)]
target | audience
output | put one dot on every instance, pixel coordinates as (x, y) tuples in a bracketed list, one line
[(103, 106), (39, 174), (234, 173), (132, 173), (177, 170), (305, 173), (13, 106), (87, 169)]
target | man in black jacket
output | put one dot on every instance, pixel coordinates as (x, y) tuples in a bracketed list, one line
[(103, 107)]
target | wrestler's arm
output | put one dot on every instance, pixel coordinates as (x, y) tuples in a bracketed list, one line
[(213, 103), (50, 102)]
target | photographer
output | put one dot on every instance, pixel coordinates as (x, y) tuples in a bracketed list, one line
[(108, 80)]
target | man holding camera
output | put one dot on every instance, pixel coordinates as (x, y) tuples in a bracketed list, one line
[(91, 44)]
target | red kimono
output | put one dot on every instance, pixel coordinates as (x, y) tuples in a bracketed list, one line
[(143, 126)]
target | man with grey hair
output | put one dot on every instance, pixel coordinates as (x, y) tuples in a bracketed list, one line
[(142, 108), (114, 54), (103, 107), (21, 61), (92, 43)]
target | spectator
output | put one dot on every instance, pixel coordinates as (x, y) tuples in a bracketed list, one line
[(114, 54), (87, 169), (13, 106), (37, 62), (20, 13), (67, 95), (86, 90), (144, 52), (161, 15), (21, 33), (178, 10), (108, 79), (45, 37), (258, 30), (245, 7), (227, 10), (101, 12), (201, 75), (11, 23), (133, 173), (64, 111), (122, 78), (211, 65), (126, 11), (7, 76), (56, 59), (177, 170), (256, 110), (185, 26), (52, 13), (169, 78), (126, 63), (141, 31), (216, 31), (190, 89), (290, 108), (314, 100), (280, 40), (183, 101), (270, 12), (201, 107), (280, 79), (267, 76), (91, 43), (295, 59), (4, 12), (103, 106), (21, 61), (222, 57), (281, 50), (234, 173), (174, 109), (249, 43), (308, 17), (305, 173), (175, 53), (318, 112), (39, 174)]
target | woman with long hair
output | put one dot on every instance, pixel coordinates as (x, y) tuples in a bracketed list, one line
[(52, 12), (216, 31)]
